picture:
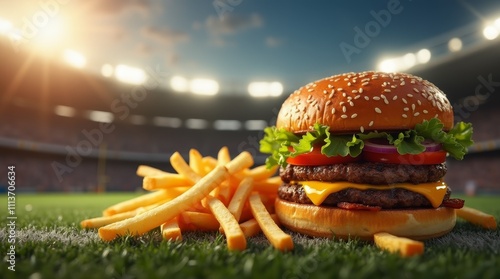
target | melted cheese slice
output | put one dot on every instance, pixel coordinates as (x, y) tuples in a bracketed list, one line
[(317, 191)]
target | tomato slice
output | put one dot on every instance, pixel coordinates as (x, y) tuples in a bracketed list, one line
[(425, 158), (316, 158)]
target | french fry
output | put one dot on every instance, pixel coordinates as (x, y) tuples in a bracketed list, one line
[(195, 162), (240, 196), (404, 246), (260, 172), (268, 186), (223, 156), (477, 217), (209, 163), (106, 220), (143, 171), (234, 236), (140, 201), (165, 181), (274, 234), (183, 168), (193, 220), (240, 162), (251, 227), (153, 218), (170, 230)]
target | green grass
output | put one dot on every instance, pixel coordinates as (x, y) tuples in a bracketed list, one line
[(50, 244)]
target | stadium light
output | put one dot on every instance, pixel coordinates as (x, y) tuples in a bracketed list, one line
[(194, 123), (227, 125), (255, 125), (107, 70), (203, 86), (179, 84), (100, 116), (455, 44), (130, 75), (404, 62), (490, 32), (74, 58), (265, 89), (170, 122), (64, 111), (423, 56)]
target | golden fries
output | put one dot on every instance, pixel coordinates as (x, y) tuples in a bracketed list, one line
[(206, 194), (274, 234), (153, 218), (170, 230), (234, 236), (477, 217), (404, 246), (137, 202)]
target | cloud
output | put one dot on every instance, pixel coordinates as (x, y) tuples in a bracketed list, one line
[(232, 23), (165, 35), (273, 41), (118, 6)]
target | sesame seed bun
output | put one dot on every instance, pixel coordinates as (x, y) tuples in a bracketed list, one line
[(359, 102), (321, 221)]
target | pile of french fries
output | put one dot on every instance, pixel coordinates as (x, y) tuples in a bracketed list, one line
[(206, 194)]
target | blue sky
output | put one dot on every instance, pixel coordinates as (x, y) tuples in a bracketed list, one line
[(237, 41)]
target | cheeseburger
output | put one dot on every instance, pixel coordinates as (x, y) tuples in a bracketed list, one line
[(361, 153)]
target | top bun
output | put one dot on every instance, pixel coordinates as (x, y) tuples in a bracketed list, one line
[(367, 101)]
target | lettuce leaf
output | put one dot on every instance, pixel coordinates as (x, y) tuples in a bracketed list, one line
[(281, 144)]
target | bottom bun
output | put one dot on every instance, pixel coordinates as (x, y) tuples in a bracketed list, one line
[(323, 221)]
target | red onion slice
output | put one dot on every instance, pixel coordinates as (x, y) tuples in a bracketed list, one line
[(382, 146)]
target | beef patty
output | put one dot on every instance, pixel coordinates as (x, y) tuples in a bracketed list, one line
[(365, 172), (386, 199)]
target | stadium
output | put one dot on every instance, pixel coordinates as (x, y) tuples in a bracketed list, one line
[(78, 121)]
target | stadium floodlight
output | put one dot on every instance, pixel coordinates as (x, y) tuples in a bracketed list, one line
[(490, 32), (100, 116), (195, 123), (74, 58), (423, 56), (64, 111), (179, 84), (227, 125), (265, 89), (388, 65), (164, 121), (455, 44), (128, 74), (204, 86), (107, 70), (138, 119), (255, 125)]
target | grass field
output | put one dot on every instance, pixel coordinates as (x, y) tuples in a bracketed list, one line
[(51, 244)]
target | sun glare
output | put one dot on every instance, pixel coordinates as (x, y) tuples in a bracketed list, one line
[(75, 58)]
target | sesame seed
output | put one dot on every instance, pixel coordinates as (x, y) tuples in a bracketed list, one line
[(349, 84), (343, 116), (330, 86), (361, 90), (406, 109), (367, 98), (412, 107), (387, 90), (409, 95), (310, 90), (404, 115), (386, 101), (344, 108), (371, 123), (377, 110), (419, 103), (376, 98), (361, 129), (416, 113), (354, 115), (325, 92), (354, 91), (357, 97), (340, 89), (425, 111), (402, 83), (328, 103), (344, 95), (351, 103), (395, 98), (404, 100), (365, 83), (393, 86)]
